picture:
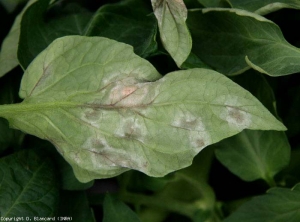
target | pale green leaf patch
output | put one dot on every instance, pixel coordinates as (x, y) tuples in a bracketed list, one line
[(171, 16), (107, 110)]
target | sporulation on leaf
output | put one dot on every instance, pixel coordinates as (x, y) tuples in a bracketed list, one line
[(107, 110)]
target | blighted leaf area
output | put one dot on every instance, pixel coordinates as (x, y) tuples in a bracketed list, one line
[(108, 111)]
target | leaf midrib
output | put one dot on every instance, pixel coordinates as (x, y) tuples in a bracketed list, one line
[(10, 110)]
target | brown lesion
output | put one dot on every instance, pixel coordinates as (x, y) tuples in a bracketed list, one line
[(189, 124), (199, 142), (236, 114), (92, 114), (131, 131), (98, 144)]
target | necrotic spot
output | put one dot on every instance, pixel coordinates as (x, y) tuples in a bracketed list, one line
[(237, 117), (130, 128)]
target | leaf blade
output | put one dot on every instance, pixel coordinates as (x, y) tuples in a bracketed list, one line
[(119, 116), (9, 48), (115, 210), (231, 45), (253, 155), (171, 16), (27, 180), (264, 7), (279, 204), (130, 18)]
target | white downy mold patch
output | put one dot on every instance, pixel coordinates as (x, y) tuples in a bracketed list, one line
[(131, 128), (199, 140), (197, 135), (189, 122), (103, 155), (92, 116), (235, 114)]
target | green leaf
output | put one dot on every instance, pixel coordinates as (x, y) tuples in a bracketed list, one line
[(75, 205), (9, 48), (28, 186), (68, 179), (115, 210), (8, 137), (211, 3), (193, 61), (253, 155), (10, 5), (258, 86), (279, 204), (291, 110), (264, 7), (231, 40), (102, 108), (171, 16), (37, 32), (128, 21)]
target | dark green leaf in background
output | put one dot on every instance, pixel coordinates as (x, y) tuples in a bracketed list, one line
[(8, 136), (64, 172), (264, 7), (68, 179), (129, 21), (116, 211), (10, 5), (292, 114), (38, 31), (210, 3), (278, 205), (75, 204), (193, 61), (233, 40), (254, 154), (28, 186), (9, 47), (258, 86)]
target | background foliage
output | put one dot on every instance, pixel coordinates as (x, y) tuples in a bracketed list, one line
[(251, 176)]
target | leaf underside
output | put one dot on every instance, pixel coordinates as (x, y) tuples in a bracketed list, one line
[(107, 110), (174, 34)]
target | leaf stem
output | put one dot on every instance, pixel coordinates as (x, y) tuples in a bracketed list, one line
[(270, 181)]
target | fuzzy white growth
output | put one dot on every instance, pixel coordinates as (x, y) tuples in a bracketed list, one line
[(197, 135), (199, 140), (131, 128), (235, 114), (188, 121), (92, 116), (101, 154)]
